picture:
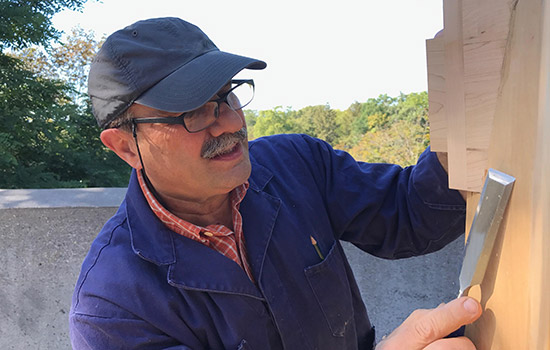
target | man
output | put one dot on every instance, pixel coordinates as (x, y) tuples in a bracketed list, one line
[(220, 244)]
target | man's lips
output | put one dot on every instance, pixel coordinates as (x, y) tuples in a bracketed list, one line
[(222, 144), (231, 153)]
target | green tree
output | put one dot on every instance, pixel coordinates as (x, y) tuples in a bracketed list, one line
[(48, 138), (318, 121), (382, 107), (67, 60), (401, 144), (29, 107), (250, 117), (383, 129), (413, 107), (27, 22), (346, 135), (84, 158), (397, 136), (275, 121)]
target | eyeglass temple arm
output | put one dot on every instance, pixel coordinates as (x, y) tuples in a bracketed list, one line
[(163, 120)]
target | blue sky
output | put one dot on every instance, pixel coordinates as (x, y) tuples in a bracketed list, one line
[(317, 52)]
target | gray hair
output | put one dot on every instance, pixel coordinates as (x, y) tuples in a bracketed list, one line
[(122, 121)]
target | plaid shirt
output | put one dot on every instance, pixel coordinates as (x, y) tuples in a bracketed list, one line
[(218, 237)]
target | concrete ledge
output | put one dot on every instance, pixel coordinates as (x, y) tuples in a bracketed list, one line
[(45, 236), (62, 198), (42, 251)]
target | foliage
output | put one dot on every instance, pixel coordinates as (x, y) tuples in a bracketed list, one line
[(48, 137), (346, 135), (85, 158), (46, 141), (68, 60), (27, 131), (383, 129), (275, 121), (27, 22), (374, 114), (401, 143), (250, 117), (318, 121)]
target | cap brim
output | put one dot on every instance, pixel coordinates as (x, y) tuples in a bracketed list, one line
[(193, 84)]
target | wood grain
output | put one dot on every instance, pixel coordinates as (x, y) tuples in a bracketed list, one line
[(435, 56), (485, 32), (539, 262), (454, 93), (515, 287)]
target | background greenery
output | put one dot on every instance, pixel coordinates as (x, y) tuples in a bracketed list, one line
[(49, 138)]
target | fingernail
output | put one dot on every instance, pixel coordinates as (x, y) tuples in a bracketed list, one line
[(471, 306)]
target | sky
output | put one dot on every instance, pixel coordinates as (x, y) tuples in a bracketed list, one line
[(317, 52)]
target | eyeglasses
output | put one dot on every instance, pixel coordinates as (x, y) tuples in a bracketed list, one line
[(238, 96)]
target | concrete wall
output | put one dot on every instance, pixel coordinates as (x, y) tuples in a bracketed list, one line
[(45, 234)]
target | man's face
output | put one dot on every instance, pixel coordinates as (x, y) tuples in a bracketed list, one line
[(193, 166)]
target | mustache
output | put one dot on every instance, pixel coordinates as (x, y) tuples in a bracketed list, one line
[(222, 144)]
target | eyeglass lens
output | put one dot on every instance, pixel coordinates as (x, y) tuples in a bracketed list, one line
[(240, 95)]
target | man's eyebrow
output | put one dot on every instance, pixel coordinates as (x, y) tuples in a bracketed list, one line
[(167, 114), (158, 114)]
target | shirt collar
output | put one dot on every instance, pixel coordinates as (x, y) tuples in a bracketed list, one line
[(178, 225)]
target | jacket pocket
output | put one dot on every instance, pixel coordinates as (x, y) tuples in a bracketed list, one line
[(329, 283)]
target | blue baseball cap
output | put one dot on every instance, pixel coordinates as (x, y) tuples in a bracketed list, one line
[(163, 63)]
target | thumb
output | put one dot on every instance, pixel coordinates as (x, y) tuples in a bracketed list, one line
[(440, 322), (423, 327)]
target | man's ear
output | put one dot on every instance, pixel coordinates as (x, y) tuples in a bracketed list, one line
[(123, 144)]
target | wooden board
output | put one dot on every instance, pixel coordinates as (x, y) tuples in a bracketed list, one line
[(485, 29), (514, 292), (464, 79), (539, 262), (435, 56), (454, 93)]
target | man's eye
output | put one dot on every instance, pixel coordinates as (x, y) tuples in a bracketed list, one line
[(191, 115)]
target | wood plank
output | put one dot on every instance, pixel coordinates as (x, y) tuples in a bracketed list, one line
[(472, 199), (435, 56), (476, 168), (486, 20), (485, 31), (539, 264), (511, 291), (454, 93)]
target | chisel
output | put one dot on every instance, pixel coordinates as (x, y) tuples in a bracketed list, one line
[(490, 210), (483, 232)]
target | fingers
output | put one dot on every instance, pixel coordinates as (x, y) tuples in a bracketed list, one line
[(424, 327), (439, 322), (461, 343)]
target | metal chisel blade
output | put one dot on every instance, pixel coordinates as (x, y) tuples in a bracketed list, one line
[(489, 213)]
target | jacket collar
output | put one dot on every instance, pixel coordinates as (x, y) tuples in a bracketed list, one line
[(260, 176), (157, 248), (193, 265)]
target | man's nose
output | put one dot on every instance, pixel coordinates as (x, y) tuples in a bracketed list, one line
[(229, 121)]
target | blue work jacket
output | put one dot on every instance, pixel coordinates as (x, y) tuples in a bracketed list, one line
[(143, 286)]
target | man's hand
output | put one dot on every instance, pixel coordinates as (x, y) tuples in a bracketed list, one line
[(425, 329)]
